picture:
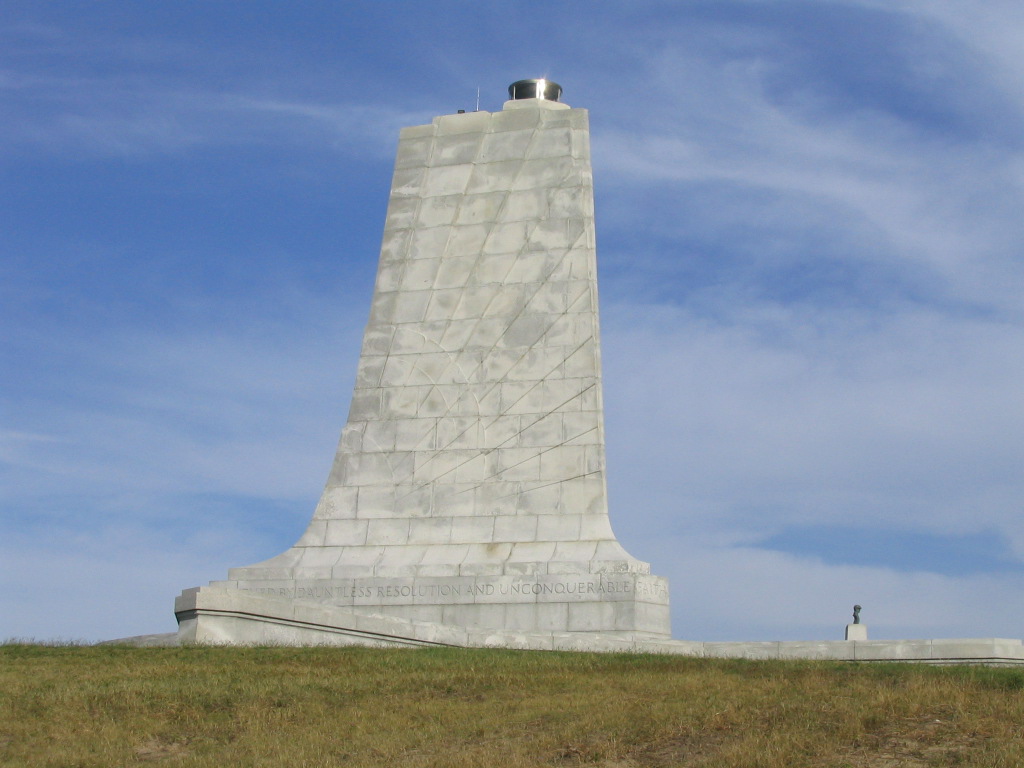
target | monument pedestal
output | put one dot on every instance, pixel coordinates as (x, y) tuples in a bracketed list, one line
[(620, 603), (856, 632)]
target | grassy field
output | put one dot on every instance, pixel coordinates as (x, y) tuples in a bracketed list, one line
[(119, 706)]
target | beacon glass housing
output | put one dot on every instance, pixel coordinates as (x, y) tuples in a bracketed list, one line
[(535, 89)]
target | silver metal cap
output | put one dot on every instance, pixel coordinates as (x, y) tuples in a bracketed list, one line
[(548, 90)]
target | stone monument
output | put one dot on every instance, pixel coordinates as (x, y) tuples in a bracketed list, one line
[(468, 489)]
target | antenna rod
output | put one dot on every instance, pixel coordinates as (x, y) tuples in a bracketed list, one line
[(478, 98)]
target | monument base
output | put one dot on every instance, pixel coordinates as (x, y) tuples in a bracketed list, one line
[(224, 616), (856, 632), (219, 616), (622, 603)]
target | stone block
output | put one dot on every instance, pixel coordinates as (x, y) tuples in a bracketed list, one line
[(454, 272), (456, 148), (314, 535), (467, 122), (416, 132), (430, 530), (581, 428), (401, 213), (649, 617), (395, 245), (475, 301), (383, 531), (493, 269), (437, 211), (539, 498), (412, 501), (587, 495), (486, 333), (389, 276), (515, 528), (546, 173), (336, 504), (532, 267), (527, 205), (410, 307), (507, 238), (428, 242), (521, 617), (556, 235), (363, 557), (475, 568), (407, 182), (552, 617), (467, 239), (531, 552), (551, 142), (590, 617), (526, 568), (481, 208), (345, 533), (451, 554), (454, 500), (496, 499), (559, 528), (438, 569), (542, 431), (512, 119), (378, 437), (419, 275), (856, 632), (569, 330), (446, 180), (571, 556), (564, 461), (378, 338), (506, 145), (493, 177)]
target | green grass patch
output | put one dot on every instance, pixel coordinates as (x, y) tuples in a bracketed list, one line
[(199, 706)]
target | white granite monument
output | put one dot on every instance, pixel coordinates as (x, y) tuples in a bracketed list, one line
[(468, 489)]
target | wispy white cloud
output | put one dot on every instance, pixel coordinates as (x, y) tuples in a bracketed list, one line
[(741, 593), (206, 409), (133, 117), (906, 423), (123, 96), (942, 205), (752, 401), (109, 581)]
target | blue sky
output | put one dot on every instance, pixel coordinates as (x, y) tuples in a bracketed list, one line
[(809, 243)]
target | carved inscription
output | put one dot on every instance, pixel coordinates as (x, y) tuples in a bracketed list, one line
[(652, 589), (362, 593), (567, 588)]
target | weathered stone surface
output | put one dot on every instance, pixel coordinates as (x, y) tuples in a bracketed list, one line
[(468, 488)]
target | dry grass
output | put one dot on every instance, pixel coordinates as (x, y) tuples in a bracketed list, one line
[(116, 706)]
